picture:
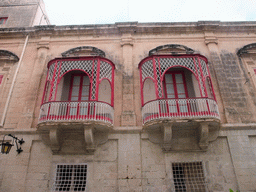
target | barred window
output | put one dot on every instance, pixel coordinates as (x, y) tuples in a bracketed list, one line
[(70, 177), (189, 177)]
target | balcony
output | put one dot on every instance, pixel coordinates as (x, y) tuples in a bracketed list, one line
[(179, 109), (77, 105), (84, 111)]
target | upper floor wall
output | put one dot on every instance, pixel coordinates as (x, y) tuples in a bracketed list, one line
[(126, 45)]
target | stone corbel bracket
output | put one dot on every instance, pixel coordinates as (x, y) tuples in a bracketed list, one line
[(167, 136), (54, 139), (89, 139), (203, 135), (162, 136), (94, 135)]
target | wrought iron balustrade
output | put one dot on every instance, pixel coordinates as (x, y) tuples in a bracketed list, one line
[(180, 109), (61, 111)]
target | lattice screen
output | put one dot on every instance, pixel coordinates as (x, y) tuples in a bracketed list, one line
[(95, 68), (147, 70), (159, 64), (189, 177), (70, 178), (105, 70)]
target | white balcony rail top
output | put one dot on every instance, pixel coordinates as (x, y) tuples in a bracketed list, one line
[(63, 111), (180, 109)]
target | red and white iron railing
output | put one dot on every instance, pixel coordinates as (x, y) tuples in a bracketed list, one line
[(180, 108), (76, 111)]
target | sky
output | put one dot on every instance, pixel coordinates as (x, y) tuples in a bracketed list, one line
[(82, 12)]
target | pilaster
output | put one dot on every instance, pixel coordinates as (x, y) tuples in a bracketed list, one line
[(32, 93), (128, 117)]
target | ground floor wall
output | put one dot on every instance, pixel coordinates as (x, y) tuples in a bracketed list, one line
[(128, 161)]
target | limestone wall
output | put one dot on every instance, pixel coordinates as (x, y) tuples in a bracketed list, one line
[(128, 160)]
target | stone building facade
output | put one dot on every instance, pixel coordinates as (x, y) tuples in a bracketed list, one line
[(129, 106), (23, 13)]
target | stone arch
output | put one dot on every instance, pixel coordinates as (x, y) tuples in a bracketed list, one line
[(84, 50), (171, 49), (246, 49), (9, 55)]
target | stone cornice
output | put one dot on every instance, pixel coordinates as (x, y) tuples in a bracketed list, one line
[(133, 27)]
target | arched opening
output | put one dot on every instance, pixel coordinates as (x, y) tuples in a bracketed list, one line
[(74, 86), (149, 90), (105, 91), (179, 85)]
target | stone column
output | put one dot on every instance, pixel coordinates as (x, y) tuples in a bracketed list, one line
[(32, 93)]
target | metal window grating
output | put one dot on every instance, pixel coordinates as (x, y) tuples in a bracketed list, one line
[(189, 177), (70, 178)]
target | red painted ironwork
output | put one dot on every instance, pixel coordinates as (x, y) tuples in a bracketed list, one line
[(182, 59), (198, 108), (202, 77), (85, 64), (59, 111), (88, 66), (166, 107)]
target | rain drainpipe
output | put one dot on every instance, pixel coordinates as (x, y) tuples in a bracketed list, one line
[(13, 82)]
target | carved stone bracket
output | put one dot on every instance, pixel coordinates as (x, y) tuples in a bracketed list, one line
[(85, 137), (89, 138), (167, 134), (182, 135), (54, 139), (204, 136)]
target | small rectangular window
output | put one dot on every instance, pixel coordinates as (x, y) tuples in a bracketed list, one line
[(70, 177), (189, 177), (3, 20)]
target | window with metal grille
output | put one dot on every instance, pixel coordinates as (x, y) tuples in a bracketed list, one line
[(189, 177), (70, 177)]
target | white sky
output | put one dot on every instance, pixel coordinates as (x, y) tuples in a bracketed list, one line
[(76, 12)]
